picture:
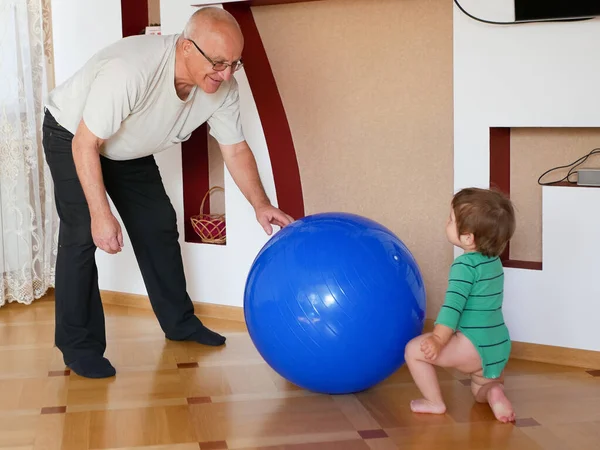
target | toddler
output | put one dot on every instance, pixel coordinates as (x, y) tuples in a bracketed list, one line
[(469, 333)]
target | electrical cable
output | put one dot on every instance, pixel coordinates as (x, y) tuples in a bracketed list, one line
[(571, 171)]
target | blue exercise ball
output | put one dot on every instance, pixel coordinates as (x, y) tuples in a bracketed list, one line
[(331, 301)]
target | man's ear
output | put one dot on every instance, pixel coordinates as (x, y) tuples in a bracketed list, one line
[(186, 46)]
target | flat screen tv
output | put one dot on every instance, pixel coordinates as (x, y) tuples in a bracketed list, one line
[(555, 9)]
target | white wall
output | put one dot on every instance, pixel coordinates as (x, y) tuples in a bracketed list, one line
[(80, 28), (559, 305), (215, 274), (534, 75)]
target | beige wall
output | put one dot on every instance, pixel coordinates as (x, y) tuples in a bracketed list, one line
[(153, 11), (533, 152), (367, 87)]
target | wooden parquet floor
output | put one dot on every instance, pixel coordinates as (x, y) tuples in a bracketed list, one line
[(183, 396)]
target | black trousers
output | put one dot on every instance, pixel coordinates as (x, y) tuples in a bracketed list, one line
[(137, 191)]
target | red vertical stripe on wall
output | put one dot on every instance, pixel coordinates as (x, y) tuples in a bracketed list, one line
[(276, 128), (134, 16), (500, 166), (195, 169), (500, 159)]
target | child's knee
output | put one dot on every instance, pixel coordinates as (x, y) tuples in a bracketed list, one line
[(413, 348), (475, 389), (480, 386)]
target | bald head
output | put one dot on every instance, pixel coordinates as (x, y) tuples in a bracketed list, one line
[(210, 48), (211, 20)]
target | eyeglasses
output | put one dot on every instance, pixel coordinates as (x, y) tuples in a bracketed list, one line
[(220, 66)]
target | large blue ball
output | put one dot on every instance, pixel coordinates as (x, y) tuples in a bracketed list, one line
[(332, 300)]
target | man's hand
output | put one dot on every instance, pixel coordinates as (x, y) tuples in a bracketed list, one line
[(107, 234), (431, 347), (268, 214)]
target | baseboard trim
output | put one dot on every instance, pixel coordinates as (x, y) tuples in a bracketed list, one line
[(520, 350), (548, 354), (234, 313), (562, 356)]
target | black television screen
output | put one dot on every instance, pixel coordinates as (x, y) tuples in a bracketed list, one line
[(555, 9)]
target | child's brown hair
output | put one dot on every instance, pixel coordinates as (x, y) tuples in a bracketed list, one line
[(489, 215)]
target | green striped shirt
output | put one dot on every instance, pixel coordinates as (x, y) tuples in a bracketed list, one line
[(473, 306)]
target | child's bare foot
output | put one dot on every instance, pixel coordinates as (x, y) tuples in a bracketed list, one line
[(426, 407), (500, 405)]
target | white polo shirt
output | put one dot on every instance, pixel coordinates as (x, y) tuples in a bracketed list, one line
[(126, 95)]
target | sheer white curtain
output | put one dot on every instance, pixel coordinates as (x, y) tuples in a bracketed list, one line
[(28, 219)]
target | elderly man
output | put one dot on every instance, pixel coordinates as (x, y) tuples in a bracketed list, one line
[(131, 100)]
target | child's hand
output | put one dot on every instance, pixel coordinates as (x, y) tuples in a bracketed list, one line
[(431, 346)]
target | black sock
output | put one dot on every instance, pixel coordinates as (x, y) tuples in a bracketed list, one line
[(93, 367), (206, 337)]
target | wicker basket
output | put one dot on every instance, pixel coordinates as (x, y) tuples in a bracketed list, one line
[(210, 227)]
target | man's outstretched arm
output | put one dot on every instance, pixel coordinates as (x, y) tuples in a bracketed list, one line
[(242, 166)]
